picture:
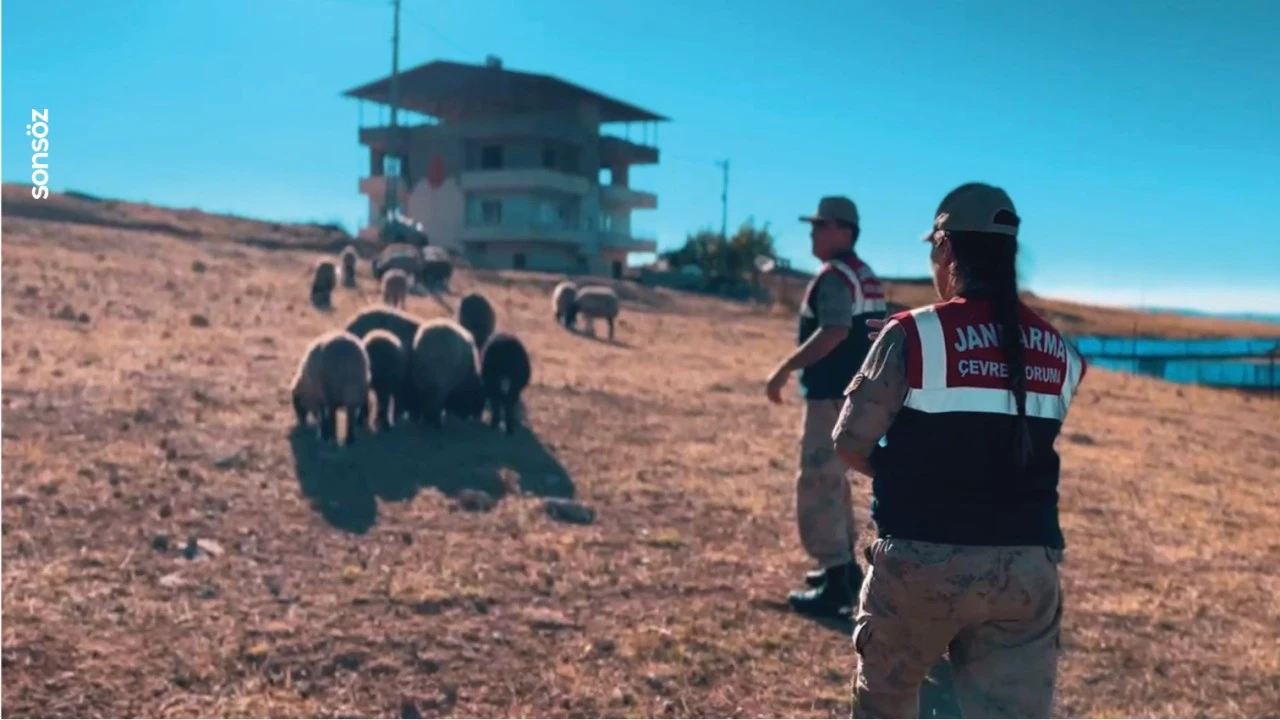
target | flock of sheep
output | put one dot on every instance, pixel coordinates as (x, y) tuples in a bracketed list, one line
[(415, 368)]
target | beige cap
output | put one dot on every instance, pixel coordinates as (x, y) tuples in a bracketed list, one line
[(977, 207), (834, 207)]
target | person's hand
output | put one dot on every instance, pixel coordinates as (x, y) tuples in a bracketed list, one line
[(777, 381), (876, 326)]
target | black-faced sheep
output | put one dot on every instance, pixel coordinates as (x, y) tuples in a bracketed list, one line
[(595, 301), (348, 259), (388, 364), (399, 323), (324, 279), (444, 359), (505, 370), (562, 301), (333, 375), (476, 315), (395, 287)]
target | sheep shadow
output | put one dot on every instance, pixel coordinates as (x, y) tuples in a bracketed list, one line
[(602, 339), (334, 480), (344, 484)]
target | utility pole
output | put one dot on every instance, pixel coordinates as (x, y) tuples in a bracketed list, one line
[(724, 198), (392, 204)]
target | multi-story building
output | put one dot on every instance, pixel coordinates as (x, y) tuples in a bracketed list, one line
[(512, 170)]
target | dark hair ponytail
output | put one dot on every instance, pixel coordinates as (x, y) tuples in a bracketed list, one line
[(990, 261)]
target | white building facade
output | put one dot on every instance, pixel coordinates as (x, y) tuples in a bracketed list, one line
[(513, 170)]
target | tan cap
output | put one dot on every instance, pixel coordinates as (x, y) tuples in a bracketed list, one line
[(977, 207), (834, 207)]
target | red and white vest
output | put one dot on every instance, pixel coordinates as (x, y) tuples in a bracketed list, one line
[(947, 471)]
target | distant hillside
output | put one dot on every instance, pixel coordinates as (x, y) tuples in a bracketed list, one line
[(1270, 318)]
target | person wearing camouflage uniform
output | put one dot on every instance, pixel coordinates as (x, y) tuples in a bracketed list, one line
[(969, 396), (842, 296)]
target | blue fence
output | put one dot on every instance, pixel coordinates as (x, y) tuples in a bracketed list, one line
[(1222, 362)]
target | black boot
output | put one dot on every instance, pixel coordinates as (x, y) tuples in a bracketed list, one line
[(835, 596)]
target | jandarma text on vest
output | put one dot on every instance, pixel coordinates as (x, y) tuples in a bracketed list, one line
[(988, 335)]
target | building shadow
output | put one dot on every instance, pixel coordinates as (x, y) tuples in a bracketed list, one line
[(345, 484)]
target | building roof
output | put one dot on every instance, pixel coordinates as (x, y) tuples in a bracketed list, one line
[(448, 89)]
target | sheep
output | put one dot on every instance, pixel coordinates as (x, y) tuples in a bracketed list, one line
[(333, 375), (476, 315), (399, 323), (398, 256), (505, 371), (395, 287), (435, 274), (467, 401), (348, 258), (562, 300), (388, 363), (324, 279), (595, 301), (443, 360)]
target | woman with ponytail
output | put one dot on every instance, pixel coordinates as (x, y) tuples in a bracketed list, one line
[(954, 415)]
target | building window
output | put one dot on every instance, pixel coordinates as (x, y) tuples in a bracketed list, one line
[(491, 157), (480, 248), (518, 261), (546, 212), (605, 177), (606, 222), (570, 159), (491, 212), (567, 213), (549, 156), (582, 263)]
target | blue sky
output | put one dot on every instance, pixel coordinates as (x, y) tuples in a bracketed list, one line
[(1139, 139)]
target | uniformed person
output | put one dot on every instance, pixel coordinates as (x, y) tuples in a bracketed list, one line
[(843, 296), (969, 395)]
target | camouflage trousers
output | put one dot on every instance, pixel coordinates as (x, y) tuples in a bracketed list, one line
[(997, 611), (824, 501)]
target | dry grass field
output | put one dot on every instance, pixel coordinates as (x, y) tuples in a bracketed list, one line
[(172, 548)]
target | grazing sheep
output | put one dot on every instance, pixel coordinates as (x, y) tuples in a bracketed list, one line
[(562, 300), (467, 400), (399, 323), (476, 315), (595, 301), (444, 358), (395, 287), (324, 279), (398, 256), (435, 274), (348, 258), (388, 364), (505, 370), (333, 376)]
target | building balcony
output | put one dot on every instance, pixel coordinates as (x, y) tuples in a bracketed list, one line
[(615, 149), (522, 232), (622, 196), (375, 188), (525, 179), (610, 240)]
